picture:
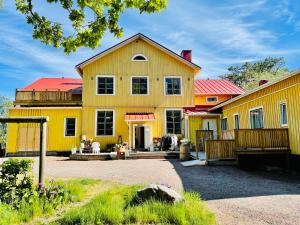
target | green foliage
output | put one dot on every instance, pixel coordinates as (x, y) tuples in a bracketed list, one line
[(5, 104), (113, 207), (86, 33), (249, 74)]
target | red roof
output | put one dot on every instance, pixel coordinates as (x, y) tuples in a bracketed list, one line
[(216, 87), (139, 116), (54, 84)]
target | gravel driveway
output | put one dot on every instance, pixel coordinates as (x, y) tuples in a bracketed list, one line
[(236, 196)]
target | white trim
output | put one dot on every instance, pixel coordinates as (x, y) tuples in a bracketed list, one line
[(148, 81), (109, 76), (65, 125), (181, 85), (280, 115), (129, 40), (114, 122), (285, 77), (136, 55), (133, 133), (165, 117), (234, 125), (263, 116), (212, 97)]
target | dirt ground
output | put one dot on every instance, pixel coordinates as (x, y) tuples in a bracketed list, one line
[(234, 195)]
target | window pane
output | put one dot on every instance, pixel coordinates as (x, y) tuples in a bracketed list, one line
[(105, 123), (283, 114), (70, 127), (173, 86), (236, 122), (139, 85), (105, 85), (173, 121), (256, 119)]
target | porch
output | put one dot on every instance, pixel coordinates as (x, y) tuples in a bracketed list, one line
[(246, 142)]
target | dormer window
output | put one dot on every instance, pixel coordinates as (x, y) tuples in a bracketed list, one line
[(139, 57)]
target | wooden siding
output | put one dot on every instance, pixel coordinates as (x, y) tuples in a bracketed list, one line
[(24, 136), (219, 149), (119, 64), (201, 99), (270, 99)]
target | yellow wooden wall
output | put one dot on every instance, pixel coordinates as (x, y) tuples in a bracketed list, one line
[(270, 98), (55, 138), (121, 126), (119, 64), (201, 99)]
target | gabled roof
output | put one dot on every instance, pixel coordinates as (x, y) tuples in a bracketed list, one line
[(129, 40), (216, 87), (285, 77), (54, 84)]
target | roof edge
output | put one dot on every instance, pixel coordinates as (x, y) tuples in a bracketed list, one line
[(284, 77)]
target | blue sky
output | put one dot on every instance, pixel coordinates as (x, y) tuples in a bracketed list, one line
[(220, 33)]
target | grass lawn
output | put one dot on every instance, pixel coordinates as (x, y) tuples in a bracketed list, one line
[(104, 202), (113, 207)]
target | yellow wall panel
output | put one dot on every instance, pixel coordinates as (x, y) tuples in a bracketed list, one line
[(55, 129)]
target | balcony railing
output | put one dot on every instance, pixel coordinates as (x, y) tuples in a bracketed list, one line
[(46, 96)]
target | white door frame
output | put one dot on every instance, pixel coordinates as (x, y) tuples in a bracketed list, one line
[(133, 133)]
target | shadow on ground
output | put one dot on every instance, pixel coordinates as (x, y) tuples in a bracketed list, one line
[(220, 182)]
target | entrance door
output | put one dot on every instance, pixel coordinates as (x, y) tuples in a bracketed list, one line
[(211, 124), (142, 137)]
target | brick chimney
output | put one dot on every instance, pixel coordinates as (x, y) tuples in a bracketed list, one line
[(187, 54), (262, 82)]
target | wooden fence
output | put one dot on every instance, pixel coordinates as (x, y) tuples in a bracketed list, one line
[(261, 138), (227, 135), (248, 139), (219, 149)]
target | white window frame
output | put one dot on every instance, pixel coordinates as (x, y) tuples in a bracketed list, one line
[(136, 55), (280, 115), (181, 85), (263, 116), (65, 126), (165, 117), (114, 122), (207, 97), (148, 91), (227, 123), (110, 76), (234, 124)]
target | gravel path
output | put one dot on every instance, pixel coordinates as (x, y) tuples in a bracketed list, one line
[(236, 196)]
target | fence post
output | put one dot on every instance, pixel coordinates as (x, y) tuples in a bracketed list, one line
[(43, 129)]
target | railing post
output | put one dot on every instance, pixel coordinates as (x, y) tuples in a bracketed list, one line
[(43, 129)]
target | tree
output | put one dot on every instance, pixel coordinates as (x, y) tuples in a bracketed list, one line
[(5, 104), (249, 74), (106, 14)]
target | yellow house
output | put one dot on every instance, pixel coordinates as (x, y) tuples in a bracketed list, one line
[(272, 105), (133, 91)]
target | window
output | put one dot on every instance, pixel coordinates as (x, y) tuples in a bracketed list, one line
[(236, 118), (211, 99), (105, 85), (172, 85), (105, 123), (139, 57), (256, 118), (139, 85), (224, 124), (70, 127), (283, 114), (173, 121)]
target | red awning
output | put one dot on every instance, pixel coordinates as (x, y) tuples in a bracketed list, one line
[(139, 116)]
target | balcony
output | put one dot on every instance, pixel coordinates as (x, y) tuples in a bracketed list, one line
[(48, 97)]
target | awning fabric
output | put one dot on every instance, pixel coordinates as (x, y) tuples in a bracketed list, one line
[(139, 116)]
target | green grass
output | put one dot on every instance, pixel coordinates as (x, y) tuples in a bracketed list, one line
[(112, 207), (37, 207)]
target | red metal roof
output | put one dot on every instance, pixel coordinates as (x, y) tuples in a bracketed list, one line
[(139, 116), (216, 87), (54, 84)]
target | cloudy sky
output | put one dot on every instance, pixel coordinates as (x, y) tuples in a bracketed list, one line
[(222, 33)]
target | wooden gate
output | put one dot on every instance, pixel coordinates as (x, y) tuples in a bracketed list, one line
[(201, 137)]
